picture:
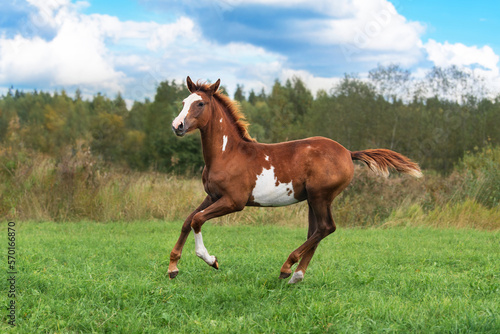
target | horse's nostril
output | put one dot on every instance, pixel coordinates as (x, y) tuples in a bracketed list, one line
[(180, 127)]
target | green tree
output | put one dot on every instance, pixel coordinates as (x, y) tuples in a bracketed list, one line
[(108, 134), (239, 95)]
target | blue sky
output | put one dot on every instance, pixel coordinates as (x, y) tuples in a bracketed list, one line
[(129, 46), (468, 22)]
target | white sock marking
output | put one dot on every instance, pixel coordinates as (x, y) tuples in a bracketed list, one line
[(201, 251), (296, 277), (224, 143)]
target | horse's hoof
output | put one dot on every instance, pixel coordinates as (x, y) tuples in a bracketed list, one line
[(216, 264), (173, 274), (284, 275), (297, 277)]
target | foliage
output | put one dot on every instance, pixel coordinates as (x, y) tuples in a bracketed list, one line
[(78, 186), (110, 278), (65, 158), (482, 175), (434, 120)]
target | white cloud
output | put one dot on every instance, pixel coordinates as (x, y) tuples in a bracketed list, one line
[(365, 24), (458, 54), (233, 63), (372, 31), (167, 34), (81, 53), (76, 55), (102, 53), (479, 62), (311, 82)]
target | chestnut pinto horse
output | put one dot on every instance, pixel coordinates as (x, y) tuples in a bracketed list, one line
[(240, 172)]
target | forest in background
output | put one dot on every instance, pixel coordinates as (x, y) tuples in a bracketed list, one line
[(68, 158), (433, 120)]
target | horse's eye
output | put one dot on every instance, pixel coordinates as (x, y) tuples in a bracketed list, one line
[(201, 104)]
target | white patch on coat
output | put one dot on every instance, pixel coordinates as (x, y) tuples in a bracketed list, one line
[(268, 191), (201, 251), (224, 143), (187, 105), (220, 120), (267, 158), (296, 277)]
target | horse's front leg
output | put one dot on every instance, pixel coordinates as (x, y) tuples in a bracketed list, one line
[(221, 207), (175, 255)]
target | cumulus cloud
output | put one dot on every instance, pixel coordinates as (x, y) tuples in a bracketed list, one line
[(76, 55), (369, 31), (356, 28), (60, 46), (102, 53), (479, 62), (458, 54), (233, 63), (80, 52), (312, 82), (73, 57)]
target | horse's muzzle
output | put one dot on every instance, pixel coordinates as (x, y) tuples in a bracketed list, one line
[(180, 130)]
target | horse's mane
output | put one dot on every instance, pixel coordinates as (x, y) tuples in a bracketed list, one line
[(232, 110)]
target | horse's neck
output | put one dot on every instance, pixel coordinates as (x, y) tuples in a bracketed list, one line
[(219, 137)]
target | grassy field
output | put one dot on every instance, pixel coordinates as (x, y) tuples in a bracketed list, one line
[(91, 277)]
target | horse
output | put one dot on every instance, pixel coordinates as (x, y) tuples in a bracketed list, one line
[(241, 172)]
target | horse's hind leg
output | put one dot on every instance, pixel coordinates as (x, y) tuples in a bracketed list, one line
[(298, 275), (321, 224)]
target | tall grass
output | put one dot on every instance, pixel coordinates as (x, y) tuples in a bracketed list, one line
[(37, 187), (468, 198), (78, 187)]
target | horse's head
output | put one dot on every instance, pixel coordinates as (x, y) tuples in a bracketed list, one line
[(195, 111)]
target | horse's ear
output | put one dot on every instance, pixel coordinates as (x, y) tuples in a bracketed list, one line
[(213, 88), (190, 85)]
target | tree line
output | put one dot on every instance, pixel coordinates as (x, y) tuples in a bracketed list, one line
[(433, 120)]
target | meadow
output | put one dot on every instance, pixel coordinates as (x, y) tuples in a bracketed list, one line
[(110, 277), (93, 242), (98, 193)]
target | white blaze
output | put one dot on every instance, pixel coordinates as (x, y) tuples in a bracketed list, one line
[(268, 191), (224, 143), (201, 251), (187, 104)]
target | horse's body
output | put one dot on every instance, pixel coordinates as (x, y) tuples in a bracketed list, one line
[(240, 172)]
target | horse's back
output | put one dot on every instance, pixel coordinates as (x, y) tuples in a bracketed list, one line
[(311, 163), (327, 162), (310, 152)]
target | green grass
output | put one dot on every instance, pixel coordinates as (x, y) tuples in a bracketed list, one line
[(90, 277)]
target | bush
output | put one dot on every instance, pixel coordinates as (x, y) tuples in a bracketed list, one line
[(481, 173)]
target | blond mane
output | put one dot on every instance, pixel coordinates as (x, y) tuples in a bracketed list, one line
[(232, 110)]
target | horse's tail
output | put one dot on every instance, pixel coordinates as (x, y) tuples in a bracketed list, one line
[(380, 160)]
